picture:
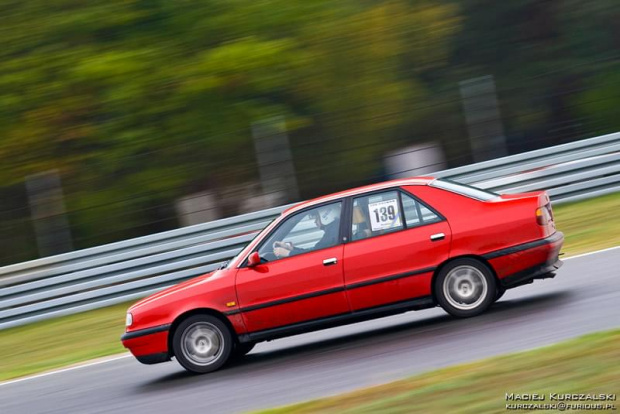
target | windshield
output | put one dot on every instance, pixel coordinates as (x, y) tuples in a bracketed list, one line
[(464, 189)]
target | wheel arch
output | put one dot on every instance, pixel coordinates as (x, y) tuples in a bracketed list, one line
[(452, 259), (197, 311)]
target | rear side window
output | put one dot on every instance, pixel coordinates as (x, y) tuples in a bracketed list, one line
[(463, 189), (416, 213)]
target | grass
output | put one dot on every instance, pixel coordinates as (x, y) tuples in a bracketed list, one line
[(61, 341), (589, 364), (587, 225)]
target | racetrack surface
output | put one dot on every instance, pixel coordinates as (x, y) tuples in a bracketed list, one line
[(584, 297)]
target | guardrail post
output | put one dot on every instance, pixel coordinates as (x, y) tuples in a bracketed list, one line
[(484, 123), (48, 213), (274, 159)]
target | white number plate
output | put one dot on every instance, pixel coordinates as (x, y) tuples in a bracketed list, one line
[(384, 215)]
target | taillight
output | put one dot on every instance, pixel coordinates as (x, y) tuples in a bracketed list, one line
[(543, 216)]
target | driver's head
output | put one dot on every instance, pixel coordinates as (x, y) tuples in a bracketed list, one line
[(325, 216)]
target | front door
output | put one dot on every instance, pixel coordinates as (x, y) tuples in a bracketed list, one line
[(396, 244), (301, 277)]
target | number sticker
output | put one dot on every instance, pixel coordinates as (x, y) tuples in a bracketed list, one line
[(384, 215)]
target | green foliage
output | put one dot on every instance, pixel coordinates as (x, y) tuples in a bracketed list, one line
[(149, 100), (544, 55)]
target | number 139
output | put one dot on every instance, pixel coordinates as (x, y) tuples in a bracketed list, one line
[(385, 213)]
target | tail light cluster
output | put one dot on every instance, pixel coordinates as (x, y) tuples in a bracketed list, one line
[(544, 215)]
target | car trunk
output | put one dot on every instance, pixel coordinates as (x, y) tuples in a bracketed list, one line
[(538, 205)]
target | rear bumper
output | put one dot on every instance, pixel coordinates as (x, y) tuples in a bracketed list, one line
[(533, 260), (543, 271), (149, 346)]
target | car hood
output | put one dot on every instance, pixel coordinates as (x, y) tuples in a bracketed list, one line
[(179, 287)]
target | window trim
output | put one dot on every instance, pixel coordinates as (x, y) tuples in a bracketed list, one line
[(400, 190), (260, 244), (453, 191), (419, 211)]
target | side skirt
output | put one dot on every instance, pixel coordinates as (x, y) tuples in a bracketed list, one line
[(337, 320)]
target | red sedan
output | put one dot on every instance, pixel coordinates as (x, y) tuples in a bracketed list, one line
[(359, 254)]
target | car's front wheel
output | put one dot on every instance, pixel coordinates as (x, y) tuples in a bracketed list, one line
[(465, 287), (202, 343)]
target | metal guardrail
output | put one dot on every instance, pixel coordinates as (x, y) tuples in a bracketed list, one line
[(570, 172), (118, 272)]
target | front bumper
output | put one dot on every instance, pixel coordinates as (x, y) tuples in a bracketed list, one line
[(149, 346), (153, 358)]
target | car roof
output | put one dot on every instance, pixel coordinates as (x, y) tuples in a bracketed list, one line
[(360, 190)]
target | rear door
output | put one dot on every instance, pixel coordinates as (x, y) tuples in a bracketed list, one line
[(396, 243), (307, 285)]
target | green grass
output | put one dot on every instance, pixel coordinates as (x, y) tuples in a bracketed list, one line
[(61, 341), (588, 225), (590, 364)]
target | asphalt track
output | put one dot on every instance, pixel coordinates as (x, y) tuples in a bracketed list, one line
[(584, 297)]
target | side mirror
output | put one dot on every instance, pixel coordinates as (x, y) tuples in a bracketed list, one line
[(253, 259)]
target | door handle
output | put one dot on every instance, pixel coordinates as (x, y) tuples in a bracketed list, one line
[(438, 236), (329, 262)]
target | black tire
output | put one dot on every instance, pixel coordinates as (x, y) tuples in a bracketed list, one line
[(500, 292), (202, 343), (465, 288), (242, 349)]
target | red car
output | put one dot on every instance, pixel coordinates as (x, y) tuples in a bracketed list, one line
[(360, 254)]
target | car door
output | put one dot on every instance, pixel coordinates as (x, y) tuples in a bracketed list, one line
[(396, 243), (306, 285)]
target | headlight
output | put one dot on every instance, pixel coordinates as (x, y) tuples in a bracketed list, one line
[(128, 319)]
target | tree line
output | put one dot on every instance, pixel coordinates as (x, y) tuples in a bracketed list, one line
[(139, 102)]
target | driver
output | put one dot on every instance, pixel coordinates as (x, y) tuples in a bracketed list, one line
[(325, 218)]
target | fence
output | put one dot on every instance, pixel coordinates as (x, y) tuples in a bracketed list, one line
[(118, 272)]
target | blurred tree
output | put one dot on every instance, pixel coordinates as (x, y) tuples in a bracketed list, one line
[(542, 54), (139, 102), (361, 82)]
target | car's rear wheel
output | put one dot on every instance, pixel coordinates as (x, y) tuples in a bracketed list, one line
[(202, 343), (465, 287)]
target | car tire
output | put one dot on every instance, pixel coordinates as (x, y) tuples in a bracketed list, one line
[(202, 343), (465, 288), (242, 349)]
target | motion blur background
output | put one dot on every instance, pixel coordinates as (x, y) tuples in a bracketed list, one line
[(121, 118)]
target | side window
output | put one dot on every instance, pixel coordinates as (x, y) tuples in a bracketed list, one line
[(314, 229), (376, 214), (416, 213)]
